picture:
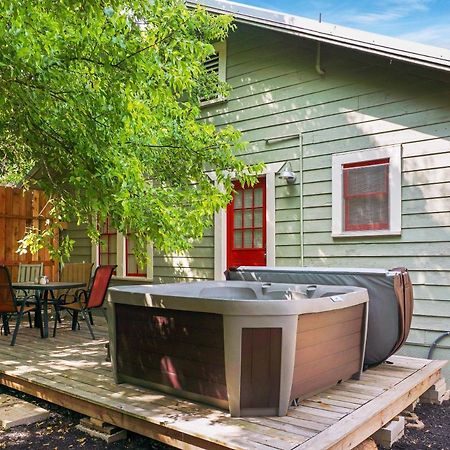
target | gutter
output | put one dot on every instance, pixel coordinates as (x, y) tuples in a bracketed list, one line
[(411, 52)]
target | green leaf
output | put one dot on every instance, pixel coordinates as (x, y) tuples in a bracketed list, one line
[(103, 102)]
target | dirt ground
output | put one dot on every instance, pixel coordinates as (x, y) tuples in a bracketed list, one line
[(435, 435), (59, 432)]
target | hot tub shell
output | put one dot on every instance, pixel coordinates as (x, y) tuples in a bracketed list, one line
[(248, 347), (390, 292)]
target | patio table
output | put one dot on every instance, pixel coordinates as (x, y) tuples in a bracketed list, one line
[(42, 293)]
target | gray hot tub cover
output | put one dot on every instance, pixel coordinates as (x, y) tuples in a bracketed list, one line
[(390, 294)]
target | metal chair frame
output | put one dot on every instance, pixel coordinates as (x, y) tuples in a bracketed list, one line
[(15, 306), (95, 294)]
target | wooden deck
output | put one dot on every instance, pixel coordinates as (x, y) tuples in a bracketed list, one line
[(70, 370)]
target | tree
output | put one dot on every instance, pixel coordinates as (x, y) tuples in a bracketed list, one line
[(101, 99)]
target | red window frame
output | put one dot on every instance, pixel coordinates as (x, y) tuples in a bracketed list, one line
[(346, 196), (127, 254), (106, 236)]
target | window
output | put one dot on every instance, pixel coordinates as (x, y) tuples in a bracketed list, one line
[(107, 250), (132, 268), (217, 63), (367, 192), (366, 195), (118, 249)]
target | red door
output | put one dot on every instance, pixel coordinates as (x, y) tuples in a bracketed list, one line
[(246, 226)]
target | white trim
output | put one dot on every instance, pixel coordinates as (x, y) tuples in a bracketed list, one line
[(220, 244), (394, 153), (221, 49), (120, 256), (220, 224)]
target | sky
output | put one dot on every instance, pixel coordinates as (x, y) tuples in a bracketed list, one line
[(425, 21)]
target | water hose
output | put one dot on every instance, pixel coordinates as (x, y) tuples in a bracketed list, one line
[(435, 342)]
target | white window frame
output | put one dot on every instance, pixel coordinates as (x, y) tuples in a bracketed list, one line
[(394, 153), (121, 260), (221, 49), (220, 224)]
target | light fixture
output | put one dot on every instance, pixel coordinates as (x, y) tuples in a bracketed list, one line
[(288, 175)]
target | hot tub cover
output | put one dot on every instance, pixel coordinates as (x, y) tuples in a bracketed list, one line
[(390, 294)]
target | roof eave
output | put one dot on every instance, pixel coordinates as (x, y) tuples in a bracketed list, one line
[(264, 20)]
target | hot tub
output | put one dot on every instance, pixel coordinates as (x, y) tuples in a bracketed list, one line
[(248, 347)]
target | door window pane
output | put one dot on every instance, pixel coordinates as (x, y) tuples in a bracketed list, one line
[(237, 219), (248, 218), (248, 239), (238, 200), (258, 218), (258, 197), (258, 239), (248, 198), (237, 239)]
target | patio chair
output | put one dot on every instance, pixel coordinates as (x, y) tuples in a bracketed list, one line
[(10, 305), (87, 300), (30, 272), (77, 272)]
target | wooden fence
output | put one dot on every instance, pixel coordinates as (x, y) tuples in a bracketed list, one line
[(20, 209)]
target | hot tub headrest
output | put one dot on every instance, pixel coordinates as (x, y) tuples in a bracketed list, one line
[(390, 293)]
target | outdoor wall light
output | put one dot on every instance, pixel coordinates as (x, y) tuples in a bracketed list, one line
[(288, 175)]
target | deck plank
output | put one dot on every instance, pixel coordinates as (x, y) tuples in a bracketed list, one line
[(71, 370), (377, 412)]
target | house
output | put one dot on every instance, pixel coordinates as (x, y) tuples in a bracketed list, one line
[(363, 122)]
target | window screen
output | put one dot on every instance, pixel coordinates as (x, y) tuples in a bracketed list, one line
[(366, 195)]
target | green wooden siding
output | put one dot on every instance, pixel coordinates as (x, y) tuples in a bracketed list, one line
[(82, 251), (358, 104), (362, 102)]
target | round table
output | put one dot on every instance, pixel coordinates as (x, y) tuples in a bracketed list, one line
[(42, 292)]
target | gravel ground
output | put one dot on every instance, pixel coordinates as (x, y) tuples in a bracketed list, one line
[(59, 432)]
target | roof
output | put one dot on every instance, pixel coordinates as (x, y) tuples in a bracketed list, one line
[(392, 48)]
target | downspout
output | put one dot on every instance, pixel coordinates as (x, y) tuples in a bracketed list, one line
[(300, 179), (318, 67)]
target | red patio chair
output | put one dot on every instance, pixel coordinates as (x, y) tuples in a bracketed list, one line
[(87, 300), (10, 305)]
